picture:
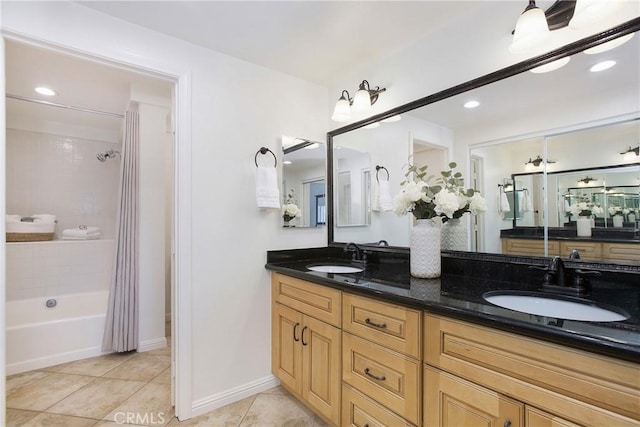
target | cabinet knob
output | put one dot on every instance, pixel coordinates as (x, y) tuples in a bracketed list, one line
[(507, 423), (302, 336), (295, 328), (375, 377), (377, 325)]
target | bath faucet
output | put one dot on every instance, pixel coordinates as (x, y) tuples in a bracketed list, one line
[(357, 254), (558, 280)]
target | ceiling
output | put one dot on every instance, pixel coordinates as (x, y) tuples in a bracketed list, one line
[(315, 40)]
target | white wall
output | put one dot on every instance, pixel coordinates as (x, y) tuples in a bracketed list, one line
[(2, 232), (60, 175), (236, 108)]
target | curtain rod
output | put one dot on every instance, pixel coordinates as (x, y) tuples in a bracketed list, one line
[(69, 107)]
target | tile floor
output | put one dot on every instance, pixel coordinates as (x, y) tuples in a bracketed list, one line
[(132, 389)]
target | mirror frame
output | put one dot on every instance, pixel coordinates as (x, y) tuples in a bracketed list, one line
[(625, 28)]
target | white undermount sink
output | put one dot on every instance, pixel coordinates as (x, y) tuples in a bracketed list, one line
[(554, 306), (334, 268)]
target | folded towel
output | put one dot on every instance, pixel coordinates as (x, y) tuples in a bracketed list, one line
[(567, 207), (12, 218), (385, 199), (528, 203), (504, 202), (267, 193), (81, 233), (43, 218)]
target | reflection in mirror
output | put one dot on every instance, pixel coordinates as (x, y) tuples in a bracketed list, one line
[(517, 116), (303, 183), (353, 187)]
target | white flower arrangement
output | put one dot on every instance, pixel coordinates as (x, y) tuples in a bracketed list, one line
[(597, 210), (290, 209), (615, 210), (447, 199), (582, 209)]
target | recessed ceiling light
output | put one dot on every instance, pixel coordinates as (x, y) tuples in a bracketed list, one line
[(471, 104), (559, 63), (287, 162), (601, 66), (42, 90)]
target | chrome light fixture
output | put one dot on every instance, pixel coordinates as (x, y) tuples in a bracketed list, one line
[(362, 101), (631, 153)]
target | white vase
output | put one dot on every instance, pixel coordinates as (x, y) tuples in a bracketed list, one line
[(583, 225), (631, 217), (424, 243), (617, 220), (454, 236)]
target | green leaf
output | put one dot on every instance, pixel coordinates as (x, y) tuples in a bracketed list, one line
[(453, 165)]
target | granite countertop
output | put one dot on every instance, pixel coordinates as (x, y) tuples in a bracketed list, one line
[(458, 294)]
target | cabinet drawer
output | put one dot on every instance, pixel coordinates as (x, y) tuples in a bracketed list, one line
[(389, 378), (621, 252), (393, 326), (533, 247), (536, 418), (587, 250), (317, 301), (538, 372), (359, 411)]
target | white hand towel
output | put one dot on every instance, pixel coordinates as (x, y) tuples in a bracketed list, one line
[(85, 233), (528, 203), (12, 218), (384, 194), (567, 207), (267, 193), (504, 202), (43, 218)]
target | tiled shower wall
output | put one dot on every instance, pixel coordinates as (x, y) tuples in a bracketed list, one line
[(49, 269), (60, 175)]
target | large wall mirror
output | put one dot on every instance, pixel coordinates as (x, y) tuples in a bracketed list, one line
[(303, 183), (564, 124)]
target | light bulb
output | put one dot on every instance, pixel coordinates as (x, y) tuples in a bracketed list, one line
[(531, 30)]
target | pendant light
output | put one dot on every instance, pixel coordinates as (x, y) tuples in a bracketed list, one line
[(531, 30)]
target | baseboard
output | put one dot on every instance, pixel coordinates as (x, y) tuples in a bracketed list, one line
[(54, 359), (153, 344), (219, 400)]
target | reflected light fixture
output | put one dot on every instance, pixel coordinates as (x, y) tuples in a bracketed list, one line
[(536, 162), (471, 104), (587, 180), (554, 65), (392, 119), (631, 153), (609, 45), (362, 101)]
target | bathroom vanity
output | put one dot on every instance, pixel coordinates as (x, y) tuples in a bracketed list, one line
[(380, 347)]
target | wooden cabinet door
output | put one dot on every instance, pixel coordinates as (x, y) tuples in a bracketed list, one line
[(450, 401), (321, 352), (286, 351)]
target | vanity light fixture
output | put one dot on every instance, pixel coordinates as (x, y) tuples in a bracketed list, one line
[(531, 30), (536, 162), (43, 90), (551, 66), (362, 101), (392, 119), (631, 153), (587, 180), (601, 66), (588, 12)]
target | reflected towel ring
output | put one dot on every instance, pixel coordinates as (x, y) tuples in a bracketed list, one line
[(264, 150), (378, 171)]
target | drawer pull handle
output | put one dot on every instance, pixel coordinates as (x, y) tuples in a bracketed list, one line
[(295, 328), (507, 423), (375, 377), (377, 325), (302, 336)]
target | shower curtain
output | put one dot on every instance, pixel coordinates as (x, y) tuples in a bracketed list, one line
[(121, 328)]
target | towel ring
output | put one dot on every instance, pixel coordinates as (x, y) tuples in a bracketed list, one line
[(265, 150), (378, 171)]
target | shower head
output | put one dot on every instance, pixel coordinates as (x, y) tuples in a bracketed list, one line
[(109, 154)]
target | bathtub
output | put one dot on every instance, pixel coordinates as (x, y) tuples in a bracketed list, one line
[(38, 336)]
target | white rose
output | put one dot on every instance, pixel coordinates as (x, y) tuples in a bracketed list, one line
[(446, 203), (401, 205), (477, 204), (413, 191)]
